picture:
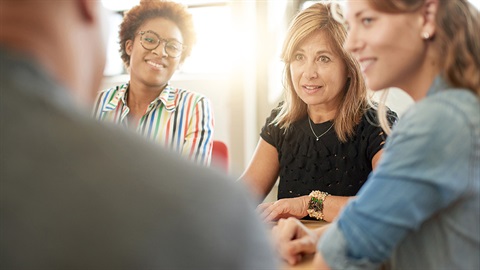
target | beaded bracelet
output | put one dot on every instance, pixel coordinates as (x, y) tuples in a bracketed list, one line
[(315, 206)]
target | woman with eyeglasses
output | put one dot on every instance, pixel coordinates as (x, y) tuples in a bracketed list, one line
[(420, 208), (155, 38)]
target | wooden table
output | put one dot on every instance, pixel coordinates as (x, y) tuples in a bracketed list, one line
[(307, 261)]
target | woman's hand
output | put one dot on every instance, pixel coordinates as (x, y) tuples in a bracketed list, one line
[(293, 240), (284, 208)]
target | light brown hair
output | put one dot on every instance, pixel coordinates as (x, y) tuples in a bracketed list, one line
[(354, 102)]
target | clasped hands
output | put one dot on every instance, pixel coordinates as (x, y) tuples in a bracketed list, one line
[(293, 240)]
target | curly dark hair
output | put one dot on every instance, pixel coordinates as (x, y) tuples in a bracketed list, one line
[(150, 9)]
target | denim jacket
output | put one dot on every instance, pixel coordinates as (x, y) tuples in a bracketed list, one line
[(420, 208)]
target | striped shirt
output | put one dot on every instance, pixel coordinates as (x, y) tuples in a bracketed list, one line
[(177, 119)]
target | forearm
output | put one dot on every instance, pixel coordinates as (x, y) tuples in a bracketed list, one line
[(262, 171), (259, 189), (333, 205), (328, 207)]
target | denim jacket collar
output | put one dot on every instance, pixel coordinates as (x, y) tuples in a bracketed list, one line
[(438, 85)]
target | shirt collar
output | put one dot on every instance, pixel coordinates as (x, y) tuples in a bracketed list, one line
[(167, 97), (120, 94), (438, 85)]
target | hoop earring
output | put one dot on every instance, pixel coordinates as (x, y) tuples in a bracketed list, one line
[(426, 35)]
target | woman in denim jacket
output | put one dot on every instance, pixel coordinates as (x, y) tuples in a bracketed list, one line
[(420, 207)]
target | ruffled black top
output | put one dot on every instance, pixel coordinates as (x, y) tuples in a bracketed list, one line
[(327, 164)]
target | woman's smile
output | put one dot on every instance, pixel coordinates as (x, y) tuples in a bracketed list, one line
[(156, 65), (311, 89)]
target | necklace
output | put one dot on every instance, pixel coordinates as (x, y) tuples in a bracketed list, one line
[(311, 128)]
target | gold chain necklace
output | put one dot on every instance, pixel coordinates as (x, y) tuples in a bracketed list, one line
[(311, 128)]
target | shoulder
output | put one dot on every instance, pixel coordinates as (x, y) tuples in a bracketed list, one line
[(113, 91), (117, 147), (447, 118), (371, 118), (446, 109), (188, 94), (108, 99), (271, 132), (460, 102), (275, 111), (372, 113), (273, 115), (174, 97)]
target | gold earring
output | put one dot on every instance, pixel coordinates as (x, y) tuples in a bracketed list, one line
[(426, 35)]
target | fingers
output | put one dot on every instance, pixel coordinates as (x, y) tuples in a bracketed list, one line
[(289, 245), (282, 234), (284, 208), (293, 251), (293, 259), (264, 210), (286, 230), (304, 244), (261, 207), (269, 211), (273, 213)]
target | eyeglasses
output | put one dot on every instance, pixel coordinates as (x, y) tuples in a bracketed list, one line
[(151, 40)]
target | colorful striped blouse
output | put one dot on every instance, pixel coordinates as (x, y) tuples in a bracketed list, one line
[(179, 120)]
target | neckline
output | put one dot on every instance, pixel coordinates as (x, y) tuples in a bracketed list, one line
[(312, 124)]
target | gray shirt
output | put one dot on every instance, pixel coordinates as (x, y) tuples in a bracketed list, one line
[(78, 194)]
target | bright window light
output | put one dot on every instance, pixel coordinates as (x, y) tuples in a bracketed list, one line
[(119, 5), (475, 3), (218, 45), (216, 42)]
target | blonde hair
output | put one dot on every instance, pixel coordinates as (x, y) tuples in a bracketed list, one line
[(456, 40), (354, 102)]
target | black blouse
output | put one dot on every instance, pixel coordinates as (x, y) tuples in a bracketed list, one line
[(327, 164)]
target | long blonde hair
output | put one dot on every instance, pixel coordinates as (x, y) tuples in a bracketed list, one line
[(354, 102)]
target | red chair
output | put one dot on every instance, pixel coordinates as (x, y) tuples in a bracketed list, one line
[(220, 158)]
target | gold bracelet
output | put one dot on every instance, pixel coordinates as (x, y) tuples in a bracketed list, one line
[(315, 206)]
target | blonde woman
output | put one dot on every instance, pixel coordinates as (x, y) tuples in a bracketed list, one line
[(420, 207), (324, 139)]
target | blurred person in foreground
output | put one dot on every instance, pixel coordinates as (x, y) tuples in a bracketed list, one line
[(67, 200), (325, 138), (420, 207), (155, 39)]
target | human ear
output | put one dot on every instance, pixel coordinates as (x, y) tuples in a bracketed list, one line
[(88, 9), (429, 14), (128, 47), (96, 15)]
